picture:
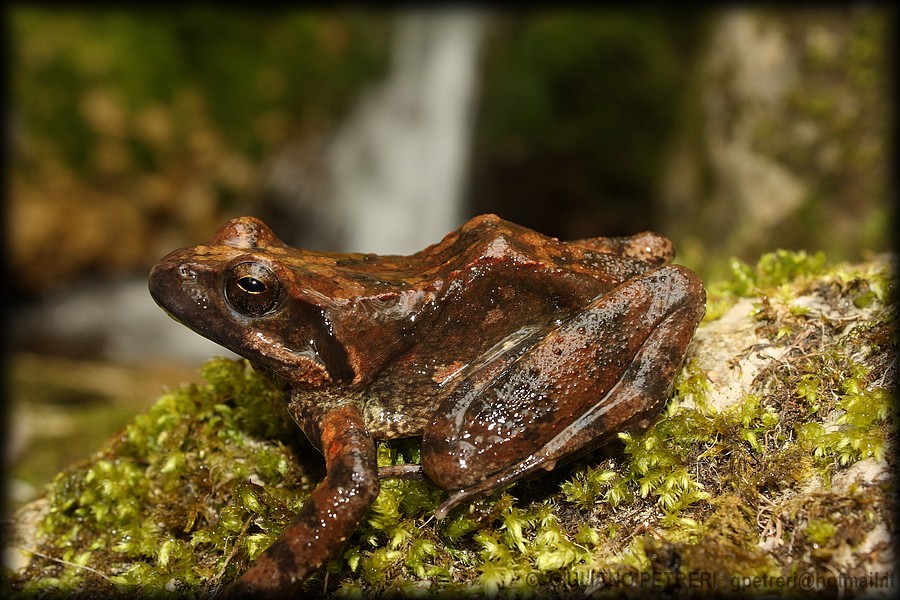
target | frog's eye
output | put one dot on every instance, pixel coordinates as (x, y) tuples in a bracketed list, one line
[(252, 289)]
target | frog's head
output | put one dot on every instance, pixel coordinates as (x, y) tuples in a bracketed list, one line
[(238, 291)]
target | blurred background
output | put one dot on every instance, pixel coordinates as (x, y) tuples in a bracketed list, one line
[(131, 132)]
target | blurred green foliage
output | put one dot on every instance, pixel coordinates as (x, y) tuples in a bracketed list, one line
[(260, 75), (596, 91)]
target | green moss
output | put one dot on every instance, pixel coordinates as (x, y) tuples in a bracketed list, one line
[(692, 384), (820, 531), (772, 270), (160, 503), (860, 431), (728, 543)]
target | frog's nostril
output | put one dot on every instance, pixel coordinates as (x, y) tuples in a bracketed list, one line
[(186, 272)]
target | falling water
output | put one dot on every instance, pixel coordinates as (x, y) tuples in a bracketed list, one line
[(398, 165)]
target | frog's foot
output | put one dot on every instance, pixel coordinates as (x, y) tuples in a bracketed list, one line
[(605, 370), (329, 517)]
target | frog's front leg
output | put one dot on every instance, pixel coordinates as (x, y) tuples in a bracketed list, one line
[(331, 514), (604, 370)]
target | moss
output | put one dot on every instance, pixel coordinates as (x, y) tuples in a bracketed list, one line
[(820, 531), (196, 487), (157, 506), (860, 431), (772, 270)]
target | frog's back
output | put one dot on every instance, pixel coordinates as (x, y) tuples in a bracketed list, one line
[(499, 282)]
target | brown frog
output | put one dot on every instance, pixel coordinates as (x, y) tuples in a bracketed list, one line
[(507, 351)]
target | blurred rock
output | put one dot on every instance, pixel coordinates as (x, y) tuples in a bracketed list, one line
[(113, 320)]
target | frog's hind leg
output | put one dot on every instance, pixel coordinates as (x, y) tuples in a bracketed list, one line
[(328, 518), (607, 369)]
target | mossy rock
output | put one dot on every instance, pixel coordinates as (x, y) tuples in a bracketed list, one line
[(768, 472)]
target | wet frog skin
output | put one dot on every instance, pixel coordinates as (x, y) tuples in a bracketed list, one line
[(507, 351)]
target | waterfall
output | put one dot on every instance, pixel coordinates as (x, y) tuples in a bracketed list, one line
[(398, 165)]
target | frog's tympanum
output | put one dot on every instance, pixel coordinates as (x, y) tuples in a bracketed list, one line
[(507, 351)]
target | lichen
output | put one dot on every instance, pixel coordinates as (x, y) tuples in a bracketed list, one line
[(743, 495)]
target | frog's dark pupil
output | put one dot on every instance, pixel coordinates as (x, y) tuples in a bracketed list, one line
[(252, 289), (252, 285)]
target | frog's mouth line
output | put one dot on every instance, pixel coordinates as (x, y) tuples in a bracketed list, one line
[(280, 354)]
